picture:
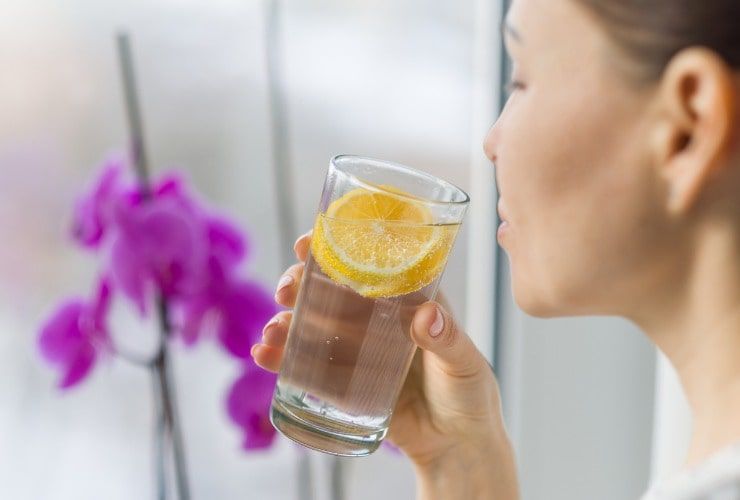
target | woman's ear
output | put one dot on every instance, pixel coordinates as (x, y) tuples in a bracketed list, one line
[(697, 108)]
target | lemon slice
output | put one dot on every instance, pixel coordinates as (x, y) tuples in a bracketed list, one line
[(380, 244)]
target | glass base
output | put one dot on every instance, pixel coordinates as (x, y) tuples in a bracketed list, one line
[(320, 434)]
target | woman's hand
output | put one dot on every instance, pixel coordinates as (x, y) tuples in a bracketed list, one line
[(448, 417)]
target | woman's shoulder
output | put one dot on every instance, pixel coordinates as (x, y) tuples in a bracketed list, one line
[(717, 478)]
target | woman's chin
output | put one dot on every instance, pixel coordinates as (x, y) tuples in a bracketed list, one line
[(537, 304), (556, 304), (537, 309)]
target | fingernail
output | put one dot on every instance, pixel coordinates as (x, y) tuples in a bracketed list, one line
[(438, 325), (286, 280), (251, 351), (273, 321), (298, 240)]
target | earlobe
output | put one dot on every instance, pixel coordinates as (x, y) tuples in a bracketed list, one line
[(697, 96)]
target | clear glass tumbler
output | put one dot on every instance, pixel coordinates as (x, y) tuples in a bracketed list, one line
[(380, 243)]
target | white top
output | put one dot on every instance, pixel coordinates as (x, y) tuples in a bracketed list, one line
[(717, 478)]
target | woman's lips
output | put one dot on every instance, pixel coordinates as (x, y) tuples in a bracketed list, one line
[(502, 229), (502, 211)]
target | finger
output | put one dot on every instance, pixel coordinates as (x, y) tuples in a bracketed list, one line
[(302, 245), (267, 357), (275, 332), (287, 287), (434, 330)]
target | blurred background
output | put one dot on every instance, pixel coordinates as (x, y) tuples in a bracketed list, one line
[(414, 81)]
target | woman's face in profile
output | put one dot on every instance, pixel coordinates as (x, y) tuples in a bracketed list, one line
[(586, 226)]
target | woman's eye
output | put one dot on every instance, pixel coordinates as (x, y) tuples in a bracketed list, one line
[(513, 86)]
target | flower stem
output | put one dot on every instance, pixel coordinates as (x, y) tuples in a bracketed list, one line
[(160, 430), (132, 358), (136, 129), (168, 423), (169, 407)]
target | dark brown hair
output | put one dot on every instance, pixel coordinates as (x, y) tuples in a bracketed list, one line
[(653, 31)]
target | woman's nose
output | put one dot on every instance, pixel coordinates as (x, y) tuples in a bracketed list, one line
[(490, 144)]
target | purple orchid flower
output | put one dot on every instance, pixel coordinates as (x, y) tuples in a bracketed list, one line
[(94, 211), (165, 242), (240, 307), (161, 246), (244, 309), (248, 404), (239, 310), (227, 246), (75, 334)]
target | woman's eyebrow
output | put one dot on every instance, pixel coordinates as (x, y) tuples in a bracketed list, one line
[(513, 33)]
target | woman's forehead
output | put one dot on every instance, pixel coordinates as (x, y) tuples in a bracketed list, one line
[(549, 26)]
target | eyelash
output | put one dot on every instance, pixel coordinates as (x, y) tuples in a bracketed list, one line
[(513, 86)]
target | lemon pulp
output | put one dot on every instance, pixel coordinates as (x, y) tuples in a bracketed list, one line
[(380, 244)]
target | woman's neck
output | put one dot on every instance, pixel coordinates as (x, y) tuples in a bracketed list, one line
[(697, 326)]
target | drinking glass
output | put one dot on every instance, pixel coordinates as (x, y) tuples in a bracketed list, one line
[(380, 243)]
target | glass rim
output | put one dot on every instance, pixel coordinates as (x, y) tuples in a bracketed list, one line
[(399, 166)]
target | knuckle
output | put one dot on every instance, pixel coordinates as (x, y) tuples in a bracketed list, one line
[(450, 334)]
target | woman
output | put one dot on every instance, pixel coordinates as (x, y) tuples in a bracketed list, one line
[(618, 163)]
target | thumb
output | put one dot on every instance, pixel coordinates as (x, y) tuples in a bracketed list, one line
[(434, 330)]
